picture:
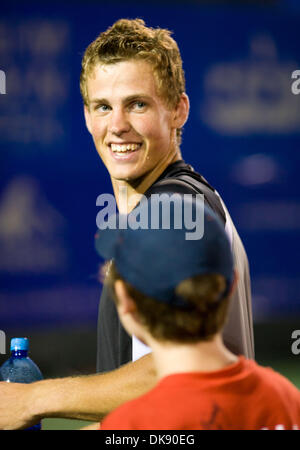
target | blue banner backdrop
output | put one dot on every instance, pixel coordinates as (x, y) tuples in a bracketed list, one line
[(243, 135)]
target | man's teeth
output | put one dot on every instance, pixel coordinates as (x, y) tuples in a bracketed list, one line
[(124, 148)]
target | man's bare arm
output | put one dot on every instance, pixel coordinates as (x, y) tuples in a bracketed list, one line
[(87, 398)]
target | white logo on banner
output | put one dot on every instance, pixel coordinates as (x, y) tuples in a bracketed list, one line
[(2, 82), (2, 343), (31, 230), (296, 84), (252, 95)]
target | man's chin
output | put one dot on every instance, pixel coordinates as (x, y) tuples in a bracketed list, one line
[(130, 178)]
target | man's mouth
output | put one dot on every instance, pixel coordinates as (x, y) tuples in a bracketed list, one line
[(123, 149)]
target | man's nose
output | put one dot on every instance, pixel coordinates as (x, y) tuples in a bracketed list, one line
[(119, 122)]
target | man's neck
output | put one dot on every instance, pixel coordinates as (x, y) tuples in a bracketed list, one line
[(171, 358), (129, 193)]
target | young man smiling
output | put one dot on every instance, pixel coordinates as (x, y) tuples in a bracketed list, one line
[(135, 106), (133, 129), (133, 87)]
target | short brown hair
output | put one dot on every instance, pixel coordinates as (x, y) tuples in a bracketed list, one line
[(205, 317), (132, 39)]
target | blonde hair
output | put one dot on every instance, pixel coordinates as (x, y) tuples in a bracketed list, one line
[(132, 39)]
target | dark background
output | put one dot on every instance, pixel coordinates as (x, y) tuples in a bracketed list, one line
[(243, 135)]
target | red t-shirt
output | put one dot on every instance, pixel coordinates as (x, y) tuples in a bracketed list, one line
[(242, 396)]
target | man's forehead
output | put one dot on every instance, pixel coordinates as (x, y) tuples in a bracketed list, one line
[(134, 66), (129, 78)]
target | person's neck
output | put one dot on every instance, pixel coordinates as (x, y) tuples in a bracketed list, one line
[(171, 358), (129, 193)]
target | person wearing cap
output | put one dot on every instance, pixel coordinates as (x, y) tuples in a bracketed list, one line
[(133, 87), (135, 106), (179, 308)]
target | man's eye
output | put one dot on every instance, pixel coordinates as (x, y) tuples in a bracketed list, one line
[(103, 108), (139, 105)]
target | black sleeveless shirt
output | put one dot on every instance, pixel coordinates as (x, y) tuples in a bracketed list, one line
[(114, 345)]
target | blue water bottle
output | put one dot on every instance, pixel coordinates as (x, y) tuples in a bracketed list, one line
[(19, 368)]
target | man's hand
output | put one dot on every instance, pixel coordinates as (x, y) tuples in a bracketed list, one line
[(14, 400), (92, 426)]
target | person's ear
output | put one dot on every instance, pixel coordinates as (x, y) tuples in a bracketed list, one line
[(87, 117), (128, 312), (126, 304), (181, 112)]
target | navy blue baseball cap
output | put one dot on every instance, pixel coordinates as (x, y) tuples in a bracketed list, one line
[(155, 259)]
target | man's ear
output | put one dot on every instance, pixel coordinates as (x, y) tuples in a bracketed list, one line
[(181, 112), (87, 117), (126, 304)]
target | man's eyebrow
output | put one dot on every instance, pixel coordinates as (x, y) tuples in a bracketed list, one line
[(98, 100), (125, 100), (136, 96)]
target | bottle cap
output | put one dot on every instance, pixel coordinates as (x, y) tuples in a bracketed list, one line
[(19, 344)]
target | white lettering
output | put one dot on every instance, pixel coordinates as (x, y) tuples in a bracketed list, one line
[(296, 84), (165, 201), (138, 218), (174, 439), (109, 211), (162, 216), (2, 82), (296, 345), (2, 343), (198, 224), (117, 440)]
